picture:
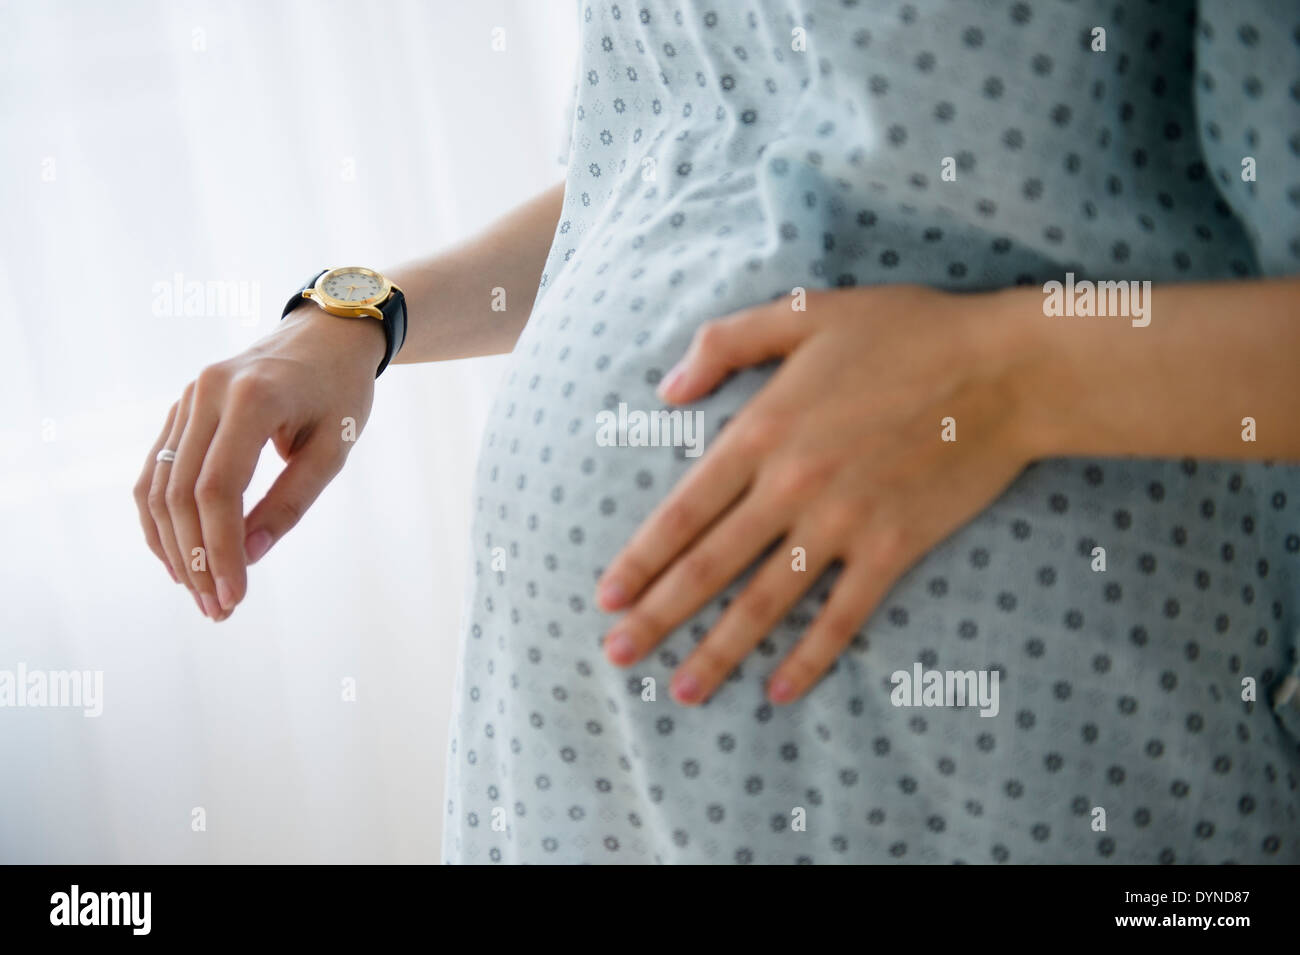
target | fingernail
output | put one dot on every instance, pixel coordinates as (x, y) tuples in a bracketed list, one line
[(225, 593), (671, 381), (210, 605), (611, 595), (685, 687), (258, 543), (175, 579), (620, 647), (781, 690), (198, 603)]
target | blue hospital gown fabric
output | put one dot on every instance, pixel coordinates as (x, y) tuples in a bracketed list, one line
[(711, 167)]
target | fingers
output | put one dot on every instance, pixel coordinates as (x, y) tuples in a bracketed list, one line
[(857, 592), (182, 509), (228, 466), (691, 581), (141, 493), (192, 506), (895, 533), (729, 344), (157, 494), (309, 469), (761, 605), (694, 504)]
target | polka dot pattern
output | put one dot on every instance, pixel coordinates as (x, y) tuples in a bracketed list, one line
[(715, 164)]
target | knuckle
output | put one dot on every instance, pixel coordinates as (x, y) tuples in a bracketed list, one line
[(888, 545), (755, 435), (177, 496), (678, 519), (838, 518), (335, 460), (712, 661), (211, 488), (630, 568), (156, 500), (712, 339), (698, 566), (645, 626), (798, 478), (211, 380), (290, 510), (802, 669), (838, 628), (250, 388), (754, 607)]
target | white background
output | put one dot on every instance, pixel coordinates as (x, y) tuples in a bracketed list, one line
[(145, 139)]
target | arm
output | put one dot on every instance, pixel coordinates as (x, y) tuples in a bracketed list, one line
[(294, 388), (449, 295), (1214, 353)]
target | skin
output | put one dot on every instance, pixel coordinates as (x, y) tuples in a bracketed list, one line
[(840, 453)]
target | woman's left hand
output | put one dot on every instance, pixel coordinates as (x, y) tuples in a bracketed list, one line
[(848, 452)]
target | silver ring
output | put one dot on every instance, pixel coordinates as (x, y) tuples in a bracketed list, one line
[(165, 455)]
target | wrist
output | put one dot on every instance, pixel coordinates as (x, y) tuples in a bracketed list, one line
[(361, 339), (1075, 381), (1036, 366), (1107, 387)]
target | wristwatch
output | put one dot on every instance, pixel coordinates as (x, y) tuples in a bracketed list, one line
[(355, 292)]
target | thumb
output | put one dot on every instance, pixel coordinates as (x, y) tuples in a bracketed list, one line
[(296, 488), (730, 344)]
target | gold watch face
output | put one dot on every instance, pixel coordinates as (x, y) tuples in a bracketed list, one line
[(353, 286)]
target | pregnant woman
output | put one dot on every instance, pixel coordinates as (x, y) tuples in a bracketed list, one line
[(862, 245)]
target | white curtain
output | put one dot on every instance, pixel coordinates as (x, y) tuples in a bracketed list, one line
[(247, 143)]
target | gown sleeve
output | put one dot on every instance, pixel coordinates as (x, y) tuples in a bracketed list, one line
[(1247, 96)]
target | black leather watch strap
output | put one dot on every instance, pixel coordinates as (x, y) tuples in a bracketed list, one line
[(297, 298), (394, 323), (394, 309)]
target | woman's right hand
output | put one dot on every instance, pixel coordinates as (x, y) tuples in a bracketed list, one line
[(298, 387)]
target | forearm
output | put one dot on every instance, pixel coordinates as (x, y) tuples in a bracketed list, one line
[(450, 296), (1213, 355)]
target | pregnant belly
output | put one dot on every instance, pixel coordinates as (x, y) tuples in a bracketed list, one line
[(1127, 673)]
